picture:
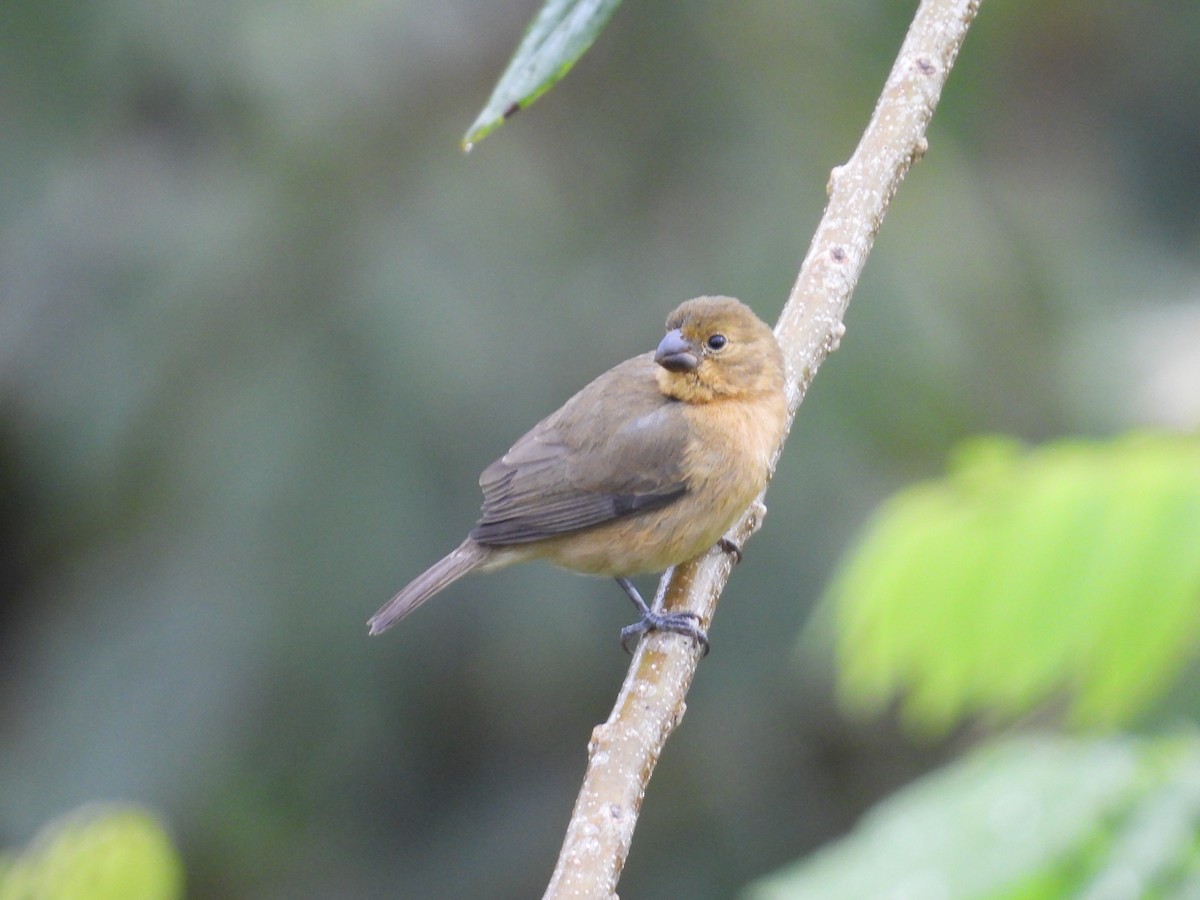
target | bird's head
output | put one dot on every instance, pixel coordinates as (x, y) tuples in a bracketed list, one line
[(714, 348)]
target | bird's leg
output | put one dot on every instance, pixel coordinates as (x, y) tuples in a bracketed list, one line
[(685, 623)]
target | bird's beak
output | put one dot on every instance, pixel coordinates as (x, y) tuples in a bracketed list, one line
[(675, 354)]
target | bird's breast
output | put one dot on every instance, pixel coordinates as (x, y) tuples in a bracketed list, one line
[(727, 463), (732, 445)]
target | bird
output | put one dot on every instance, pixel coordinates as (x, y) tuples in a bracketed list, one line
[(644, 468)]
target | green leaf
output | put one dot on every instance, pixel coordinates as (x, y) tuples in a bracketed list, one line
[(97, 853), (1068, 571), (1031, 818), (556, 38)]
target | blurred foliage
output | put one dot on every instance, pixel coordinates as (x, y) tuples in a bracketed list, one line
[(559, 34), (1062, 575), (1026, 575), (1032, 818), (262, 325), (99, 852)]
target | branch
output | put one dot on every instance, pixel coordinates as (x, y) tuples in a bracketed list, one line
[(623, 751)]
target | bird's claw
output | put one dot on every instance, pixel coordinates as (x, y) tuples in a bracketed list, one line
[(732, 548), (685, 623)]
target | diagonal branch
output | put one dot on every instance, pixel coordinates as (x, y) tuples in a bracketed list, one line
[(623, 751)]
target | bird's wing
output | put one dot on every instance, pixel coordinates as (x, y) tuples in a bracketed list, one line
[(614, 449)]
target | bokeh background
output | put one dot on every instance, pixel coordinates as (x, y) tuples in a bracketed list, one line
[(262, 324)]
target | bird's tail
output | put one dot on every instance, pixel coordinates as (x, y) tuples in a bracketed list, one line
[(447, 570)]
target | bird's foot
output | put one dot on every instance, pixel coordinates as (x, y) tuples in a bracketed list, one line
[(685, 623), (732, 548)]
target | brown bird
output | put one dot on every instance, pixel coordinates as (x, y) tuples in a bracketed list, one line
[(645, 468)]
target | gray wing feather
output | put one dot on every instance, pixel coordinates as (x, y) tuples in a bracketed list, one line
[(564, 475)]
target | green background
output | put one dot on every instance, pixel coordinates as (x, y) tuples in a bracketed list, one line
[(262, 324)]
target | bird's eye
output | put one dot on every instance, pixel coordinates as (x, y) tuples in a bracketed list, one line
[(715, 341)]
